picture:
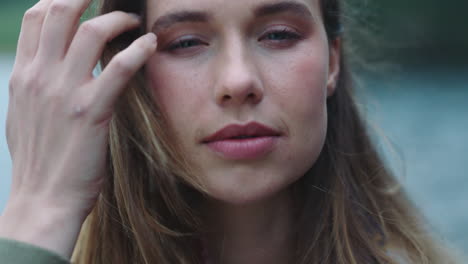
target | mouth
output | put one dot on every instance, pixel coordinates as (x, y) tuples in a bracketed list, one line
[(251, 130), (243, 142)]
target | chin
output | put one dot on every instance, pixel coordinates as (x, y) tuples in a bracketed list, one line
[(258, 181), (250, 193)]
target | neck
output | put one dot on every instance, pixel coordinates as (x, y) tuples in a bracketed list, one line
[(258, 232)]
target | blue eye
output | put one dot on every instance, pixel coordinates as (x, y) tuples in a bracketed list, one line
[(184, 44), (280, 38), (281, 35)]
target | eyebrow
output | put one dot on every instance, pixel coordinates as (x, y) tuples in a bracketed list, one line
[(263, 10), (171, 19), (283, 7)]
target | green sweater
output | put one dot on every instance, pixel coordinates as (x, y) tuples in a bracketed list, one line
[(14, 252)]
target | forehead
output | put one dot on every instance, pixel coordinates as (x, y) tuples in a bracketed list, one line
[(219, 8)]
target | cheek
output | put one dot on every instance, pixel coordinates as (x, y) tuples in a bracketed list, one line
[(178, 94), (311, 92), (300, 97), (165, 83), (301, 85)]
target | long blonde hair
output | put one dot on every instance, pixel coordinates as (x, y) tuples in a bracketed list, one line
[(349, 207)]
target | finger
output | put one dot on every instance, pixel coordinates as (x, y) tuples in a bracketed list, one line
[(119, 71), (59, 27), (31, 31), (92, 37)]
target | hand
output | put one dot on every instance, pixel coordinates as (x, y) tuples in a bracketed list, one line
[(58, 117)]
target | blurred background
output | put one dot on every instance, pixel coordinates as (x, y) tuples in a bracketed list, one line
[(412, 70)]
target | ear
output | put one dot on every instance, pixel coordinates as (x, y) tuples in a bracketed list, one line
[(334, 65)]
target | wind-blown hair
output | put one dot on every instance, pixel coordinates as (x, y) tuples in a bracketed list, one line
[(349, 207)]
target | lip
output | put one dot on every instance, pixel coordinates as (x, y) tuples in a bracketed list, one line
[(252, 129), (237, 142)]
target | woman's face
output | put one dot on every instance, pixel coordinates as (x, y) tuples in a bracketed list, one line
[(243, 85)]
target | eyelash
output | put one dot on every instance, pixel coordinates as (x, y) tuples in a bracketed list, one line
[(286, 36), (181, 43)]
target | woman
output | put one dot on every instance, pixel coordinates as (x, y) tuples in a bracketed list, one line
[(237, 142)]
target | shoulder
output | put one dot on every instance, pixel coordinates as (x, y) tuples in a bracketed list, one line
[(15, 252)]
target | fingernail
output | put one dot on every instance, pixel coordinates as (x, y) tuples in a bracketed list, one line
[(151, 37), (136, 16)]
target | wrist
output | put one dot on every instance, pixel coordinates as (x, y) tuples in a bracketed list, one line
[(50, 228)]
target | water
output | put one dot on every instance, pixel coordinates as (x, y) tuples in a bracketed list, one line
[(6, 62), (424, 115)]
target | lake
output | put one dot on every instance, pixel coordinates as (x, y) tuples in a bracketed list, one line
[(424, 114)]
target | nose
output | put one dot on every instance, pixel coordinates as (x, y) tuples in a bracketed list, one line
[(238, 81)]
